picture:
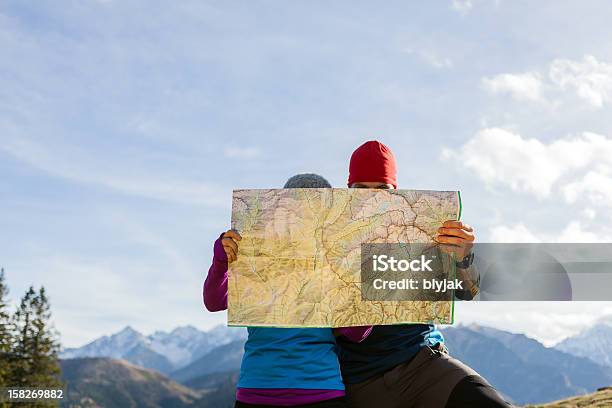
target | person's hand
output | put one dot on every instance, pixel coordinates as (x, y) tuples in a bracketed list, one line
[(456, 237), (230, 244)]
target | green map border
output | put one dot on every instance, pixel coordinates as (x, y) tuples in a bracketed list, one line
[(452, 321)]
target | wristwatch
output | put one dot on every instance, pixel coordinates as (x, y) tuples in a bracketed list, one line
[(466, 262)]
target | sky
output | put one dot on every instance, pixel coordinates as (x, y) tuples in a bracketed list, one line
[(125, 125)]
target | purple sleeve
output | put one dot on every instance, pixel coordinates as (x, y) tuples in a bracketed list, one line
[(355, 334), (215, 285)]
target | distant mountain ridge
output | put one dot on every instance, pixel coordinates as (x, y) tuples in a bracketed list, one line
[(522, 368), (594, 343), (161, 351), (225, 358)]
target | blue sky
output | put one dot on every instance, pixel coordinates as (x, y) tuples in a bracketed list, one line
[(124, 126)]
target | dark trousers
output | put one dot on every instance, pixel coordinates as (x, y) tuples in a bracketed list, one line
[(332, 403), (432, 379), (474, 391)]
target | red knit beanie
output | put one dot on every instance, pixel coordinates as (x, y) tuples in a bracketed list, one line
[(373, 161)]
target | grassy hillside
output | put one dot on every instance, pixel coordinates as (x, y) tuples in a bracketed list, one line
[(103, 382), (599, 399)]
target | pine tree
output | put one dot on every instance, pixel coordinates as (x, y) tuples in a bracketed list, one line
[(21, 356), (5, 333), (35, 352), (45, 345)]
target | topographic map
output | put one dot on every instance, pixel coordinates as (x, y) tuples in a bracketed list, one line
[(299, 258)]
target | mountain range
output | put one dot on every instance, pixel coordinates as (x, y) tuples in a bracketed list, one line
[(161, 351), (594, 343), (521, 368)]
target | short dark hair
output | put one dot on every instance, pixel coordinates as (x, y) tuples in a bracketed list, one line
[(307, 180)]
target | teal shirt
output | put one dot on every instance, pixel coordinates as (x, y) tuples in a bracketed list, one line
[(290, 358)]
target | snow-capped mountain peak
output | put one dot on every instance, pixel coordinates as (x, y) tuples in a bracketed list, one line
[(161, 350), (594, 343)]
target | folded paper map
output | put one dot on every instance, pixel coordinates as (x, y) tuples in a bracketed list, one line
[(299, 259)]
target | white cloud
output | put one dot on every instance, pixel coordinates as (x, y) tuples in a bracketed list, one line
[(573, 232), (589, 213), (527, 86), (515, 233), (501, 157), (589, 78), (596, 186)]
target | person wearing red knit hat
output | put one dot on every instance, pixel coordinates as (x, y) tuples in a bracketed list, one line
[(373, 162), (401, 366)]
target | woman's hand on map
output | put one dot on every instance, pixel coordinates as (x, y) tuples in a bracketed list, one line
[(230, 244), (456, 237)]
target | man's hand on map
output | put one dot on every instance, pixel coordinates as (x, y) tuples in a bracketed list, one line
[(230, 244), (456, 237)]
